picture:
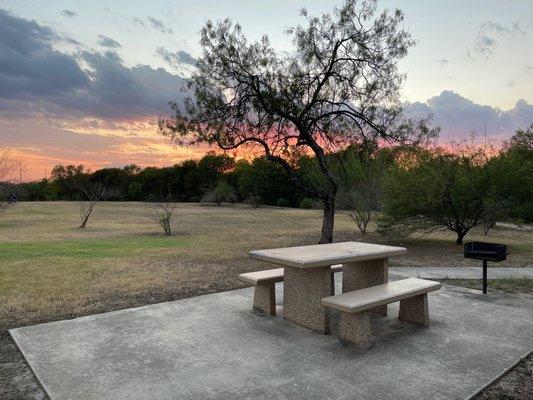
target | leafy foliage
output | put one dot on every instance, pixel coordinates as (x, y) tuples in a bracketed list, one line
[(512, 176), (440, 190), (307, 203), (338, 86), (222, 193)]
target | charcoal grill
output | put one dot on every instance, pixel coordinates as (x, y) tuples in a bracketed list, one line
[(485, 252)]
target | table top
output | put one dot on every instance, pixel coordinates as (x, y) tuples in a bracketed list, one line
[(321, 255)]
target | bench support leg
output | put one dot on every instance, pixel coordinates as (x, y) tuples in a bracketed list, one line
[(363, 274), (354, 329), (415, 310), (265, 299)]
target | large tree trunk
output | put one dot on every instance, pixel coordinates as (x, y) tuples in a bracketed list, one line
[(329, 218), (460, 237)]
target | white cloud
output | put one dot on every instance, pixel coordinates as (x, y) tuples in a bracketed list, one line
[(459, 116)]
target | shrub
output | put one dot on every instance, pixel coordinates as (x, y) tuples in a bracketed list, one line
[(283, 202), (254, 201), (307, 203), (223, 193)]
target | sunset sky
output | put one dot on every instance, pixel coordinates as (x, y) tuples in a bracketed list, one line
[(83, 81)]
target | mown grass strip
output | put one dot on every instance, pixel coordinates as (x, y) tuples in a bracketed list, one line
[(91, 248)]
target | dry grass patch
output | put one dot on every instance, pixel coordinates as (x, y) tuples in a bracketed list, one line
[(51, 269)]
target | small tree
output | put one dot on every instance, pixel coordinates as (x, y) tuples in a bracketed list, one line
[(89, 195), (338, 85), (431, 190), (7, 167), (222, 193), (359, 171), (360, 189), (161, 213)]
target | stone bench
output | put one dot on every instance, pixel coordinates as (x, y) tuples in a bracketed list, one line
[(265, 291), (354, 321)]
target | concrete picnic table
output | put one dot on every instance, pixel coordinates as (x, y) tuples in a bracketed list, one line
[(307, 277)]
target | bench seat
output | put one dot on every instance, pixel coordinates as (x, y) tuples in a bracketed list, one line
[(264, 292), (354, 322)]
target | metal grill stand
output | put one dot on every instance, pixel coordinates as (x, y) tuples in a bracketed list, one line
[(485, 252)]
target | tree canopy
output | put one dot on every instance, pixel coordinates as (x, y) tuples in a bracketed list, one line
[(338, 86)]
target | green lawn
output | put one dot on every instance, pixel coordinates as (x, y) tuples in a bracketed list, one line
[(51, 269), (82, 249)]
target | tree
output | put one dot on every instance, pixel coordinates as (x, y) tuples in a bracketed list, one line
[(7, 167), (69, 180), (359, 171), (512, 175), (89, 195), (161, 213), (222, 193), (266, 180), (339, 85), (360, 188), (435, 189)]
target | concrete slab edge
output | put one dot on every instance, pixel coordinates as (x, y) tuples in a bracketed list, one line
[(12, 332), (470, 397), (41, 385), (499, 376)]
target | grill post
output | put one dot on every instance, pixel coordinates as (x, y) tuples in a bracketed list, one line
[(484, 276)]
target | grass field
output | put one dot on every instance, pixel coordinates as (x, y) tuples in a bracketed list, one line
[(50, 269)]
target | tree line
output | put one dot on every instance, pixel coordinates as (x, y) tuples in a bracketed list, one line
[(215, 178), (401, 189)]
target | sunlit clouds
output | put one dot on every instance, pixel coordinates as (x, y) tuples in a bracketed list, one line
[(85, 84)]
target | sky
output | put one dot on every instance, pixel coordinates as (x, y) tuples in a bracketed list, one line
[(84, 81)]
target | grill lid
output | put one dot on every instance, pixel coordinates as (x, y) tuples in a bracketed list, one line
[(485, 251)]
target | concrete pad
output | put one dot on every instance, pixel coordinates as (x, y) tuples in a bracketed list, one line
[(213, 347), (463, 272)]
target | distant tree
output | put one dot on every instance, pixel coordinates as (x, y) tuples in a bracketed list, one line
[(512, 175), (7, 167), (435, 189), (306, 203), (339, 85), (360, 188), (359, 171), (265, 179), (135, 191), (89, 196), (254, 201), (117, 178), (222, 193), (68, 180), (522, 142), (161, 213), (283, 202)]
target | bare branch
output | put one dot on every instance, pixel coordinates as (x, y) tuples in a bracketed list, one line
[(161, 213)]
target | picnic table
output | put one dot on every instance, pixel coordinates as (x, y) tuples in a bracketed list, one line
[(307, 275)]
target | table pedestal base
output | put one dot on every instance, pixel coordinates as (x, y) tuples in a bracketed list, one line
[(363, 274), (303, 289)]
